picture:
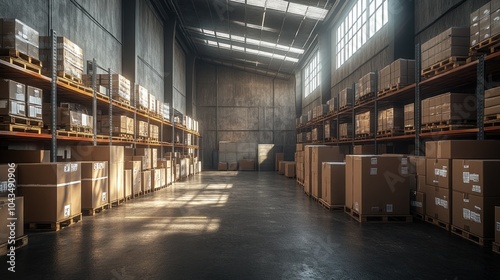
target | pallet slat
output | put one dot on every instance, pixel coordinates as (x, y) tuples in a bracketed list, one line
[(20, 242), (380, 218), (93, 211), (56, 226), (436, 222), (470, 236)]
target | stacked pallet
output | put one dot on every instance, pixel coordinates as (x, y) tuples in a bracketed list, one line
[(364, 125), (69, 63), (365, 88), (19, 44), (122, 126), (390, 122), (485, 27), (345, 99), (20, 108), (448, 111), (396, 75)]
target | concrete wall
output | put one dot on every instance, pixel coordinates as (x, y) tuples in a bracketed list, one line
[(238, 106), (150, 51), (179, 82), (93, 25)]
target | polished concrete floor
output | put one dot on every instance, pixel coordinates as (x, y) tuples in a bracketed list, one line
[(246, 225)]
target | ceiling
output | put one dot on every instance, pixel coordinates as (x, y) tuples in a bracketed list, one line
[(269, 37)]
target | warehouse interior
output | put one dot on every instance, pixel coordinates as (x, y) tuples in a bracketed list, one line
[(253, 139)]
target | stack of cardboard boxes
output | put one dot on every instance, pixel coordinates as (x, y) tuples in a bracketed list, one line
[(317, 133), (330, 129), (365, 86), (320, 110), (94, 188), (345, 130), (409, 116), (12, 98), (492, 103), (485, 22), (120, 86), (390, 120), (69, 58), (332, 105), (17, 36), (364, 124), (448, 108), (142, 129), (399, 73), (454, 42), (122, 125), (314, 156), (333, 184), (345, 98), (141, 97)]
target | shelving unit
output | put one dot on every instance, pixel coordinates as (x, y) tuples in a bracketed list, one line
[(62, 91), (469, 77)]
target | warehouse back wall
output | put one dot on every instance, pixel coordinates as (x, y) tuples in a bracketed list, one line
[(238, 106)]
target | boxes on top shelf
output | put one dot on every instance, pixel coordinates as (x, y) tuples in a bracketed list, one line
[(166, 111), (365, 85), (345, 98), (152, 104), (141, 97), (332, 104), (20, 37), (69, 58), (449, 108), (453, 42), (120, 86)]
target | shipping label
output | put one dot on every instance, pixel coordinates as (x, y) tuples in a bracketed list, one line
[(466, 214), (476, 188), (466, 177), (67, 210), (475, 217)]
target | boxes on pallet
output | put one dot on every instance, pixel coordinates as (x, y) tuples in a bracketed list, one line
[(345, 130), (121, 125), (449, 108), (232, 166), (474, 214), (152, 104), (12, 107), (120, 86), (5, 218), (320, 110), (453, 42), (13, 90), (384, 78), (114, 155), (146, 181), (320, 154), (20, 37), (332, 104), (166, 111), (390, 119), (142, 129), (330, 129), (154, 157), (222, 166), (317, 134), (94, 184), (136, 167), (345, 98), (372, 193), (141, 97), (409, 116), (290, 169), (364, 124), (69, 57), (492, 102), (51, 191), (156, 178), (147, 154), (463, 149), (439, 172), (154, 131), (333, 183), (365, 86)]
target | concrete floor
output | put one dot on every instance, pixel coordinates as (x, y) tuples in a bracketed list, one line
[(247, 225)]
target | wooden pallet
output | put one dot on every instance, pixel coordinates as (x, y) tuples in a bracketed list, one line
[(330, 139), (73, 84), (389, 133), (492, 120), (348, 210), (20, 242), (329, 206), (56, 226), (345, 139), (300, 184), (314, 197), (391, 89), (496, 247), (93, 211), (69, 77), (443, 66), (381, 218), (365, 98), (487, 46), (345, 107), (446, 127), (418, 216), (127, 198), (436, 222), (24, 61), (12, 119), (21, 128), (135, 195), (74, 134), (470, 236), (363, 136), (117, 202)]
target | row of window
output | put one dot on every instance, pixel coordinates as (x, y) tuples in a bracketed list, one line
[(361, 23)]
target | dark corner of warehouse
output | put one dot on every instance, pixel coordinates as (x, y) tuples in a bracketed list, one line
[(255, 139)]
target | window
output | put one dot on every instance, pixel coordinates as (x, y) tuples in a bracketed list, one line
[(360, 24), (311, 75)]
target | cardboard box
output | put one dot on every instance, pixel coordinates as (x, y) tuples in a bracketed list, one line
[(25, 156), (320, 154), (279, 157), (468, 149), (5, 214), (136, 167), (34, 96), (156, 178), (492, 102), (246, 165), (333, 183), (232, 166), (418, 202), (146, 181), (475, 214), (493, 92), (438, 203), (52, 191), (147, 154), (373, 193), (12, 107), (497, 224), (94, 184), (476, 177), (439, 173), (281, 168), (421, 183), (12, 90), (127, 183), (222, 166), (290, 169), (369, 149), (492, 110)]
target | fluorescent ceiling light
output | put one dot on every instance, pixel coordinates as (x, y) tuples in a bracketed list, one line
[(288, 7)]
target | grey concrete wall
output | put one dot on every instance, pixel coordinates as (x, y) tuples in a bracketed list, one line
[(93, 25), (179, 79), (238, 106), (150, 51)]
